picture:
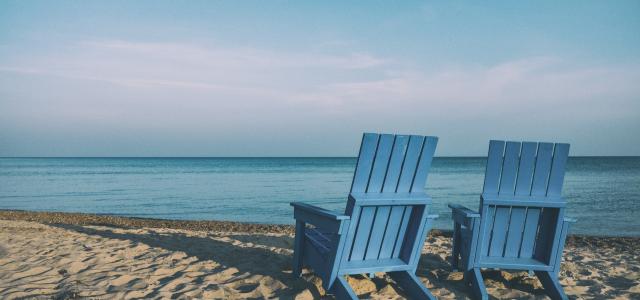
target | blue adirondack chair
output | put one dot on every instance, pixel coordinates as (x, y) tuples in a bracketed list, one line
[(384, 224), (521, 223)]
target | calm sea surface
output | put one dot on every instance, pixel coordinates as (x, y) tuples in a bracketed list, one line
[(603, 192)]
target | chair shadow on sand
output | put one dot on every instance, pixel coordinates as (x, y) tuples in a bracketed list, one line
[(254, 261), (439, 273), (262, 261)]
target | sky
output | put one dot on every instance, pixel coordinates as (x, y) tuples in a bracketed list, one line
[(307, 78)]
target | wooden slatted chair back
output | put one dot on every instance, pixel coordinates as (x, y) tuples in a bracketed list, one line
[(521, 203), (395, 166)]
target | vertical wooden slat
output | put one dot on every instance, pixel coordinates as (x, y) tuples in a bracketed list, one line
[(410, 163), (563, 237), (395, 163), (402, 230), (554, 237), (362, 233), (556, 178), (546, 233), (393, 226), (494, 168), (506, 188), (488, 214), (365, 162), (514, 237), (351, 233), (529, 232), (385, 144), (539, 175), (500, 227), (509, 169), (415, 233), (541, 172), (424, 165), (377, 232), (525, 169), (523, 187)]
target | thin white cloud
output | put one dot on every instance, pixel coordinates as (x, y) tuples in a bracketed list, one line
[(193, 89), (332, 80), (240, 57)]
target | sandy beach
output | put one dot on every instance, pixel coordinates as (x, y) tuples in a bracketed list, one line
[(61, 255)]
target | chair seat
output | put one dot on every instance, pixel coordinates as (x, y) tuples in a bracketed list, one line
[(320, 239), (514, 263)]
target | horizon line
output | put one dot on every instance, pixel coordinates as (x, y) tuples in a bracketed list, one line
[(262, 157)]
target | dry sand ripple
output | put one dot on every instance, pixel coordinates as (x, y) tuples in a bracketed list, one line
[(104, 262)]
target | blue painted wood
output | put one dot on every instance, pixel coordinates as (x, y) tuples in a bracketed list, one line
[(365, 162), (506, 188), (525, 169), (509, 169), (426, 157), (558, 255), (556, 178), (400, 237), (319, 239), (378, 232), (521, 223), (342, 290), (546, 234), (455, 249), (488, 216), (393, 226), (376, 180), (514, 235), (335, 256), (513, 263), (395, 163), (478, 288), (494, 168), (385, 221), (555, 233), (543, 166), (522, 189), (529, 232), (418, 239), (516, 200), (368, 266), (367, 199), (410, 164), (470, 252), (499, 231), (363, 232), (551, 285), (297, 248)]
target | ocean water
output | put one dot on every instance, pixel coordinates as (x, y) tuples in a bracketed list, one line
[(603, 192)]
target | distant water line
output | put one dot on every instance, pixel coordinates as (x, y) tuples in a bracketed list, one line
[(603, 192)]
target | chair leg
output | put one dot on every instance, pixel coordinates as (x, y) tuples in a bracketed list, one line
[(551, 284), (298, 247), (455, 250), (341, 289), (474, 277), (411, 285)]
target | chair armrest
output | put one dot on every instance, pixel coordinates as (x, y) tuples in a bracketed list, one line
[(432, 217), (318, 211), (462, 215), (463, 211), (412, 198), (570, 220), (320, 217)]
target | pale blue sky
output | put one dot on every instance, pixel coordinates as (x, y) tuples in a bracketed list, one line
[(285, 78)]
